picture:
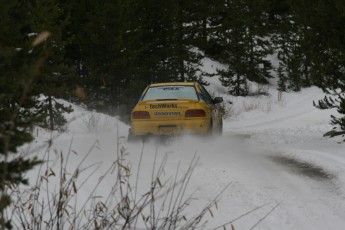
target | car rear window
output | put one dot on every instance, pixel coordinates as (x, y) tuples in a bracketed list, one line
[(170, 92)]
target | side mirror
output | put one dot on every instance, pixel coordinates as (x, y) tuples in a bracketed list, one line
[(217, 100)]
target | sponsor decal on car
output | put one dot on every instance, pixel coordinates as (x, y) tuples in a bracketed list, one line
[(167, 113), (163, 106)]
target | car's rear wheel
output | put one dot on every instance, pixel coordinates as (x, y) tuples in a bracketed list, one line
[(216, 131), (210, 128), (131, 137), (220, 128)]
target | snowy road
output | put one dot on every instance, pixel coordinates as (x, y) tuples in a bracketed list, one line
[(293, 193), (275, 159), (280, 172)]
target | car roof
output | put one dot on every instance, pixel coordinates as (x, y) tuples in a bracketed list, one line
[(173, 83)]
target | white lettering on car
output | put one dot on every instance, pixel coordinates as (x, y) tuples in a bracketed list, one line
[(163, 106), (167, 113)]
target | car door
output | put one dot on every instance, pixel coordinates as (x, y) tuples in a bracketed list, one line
[(216, 117)]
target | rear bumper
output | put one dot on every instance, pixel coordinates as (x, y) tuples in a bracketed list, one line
[(177, 127)]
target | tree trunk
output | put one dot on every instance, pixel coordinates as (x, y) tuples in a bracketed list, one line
[(50, 113), (204, 30), (180, 41), (306, 73)]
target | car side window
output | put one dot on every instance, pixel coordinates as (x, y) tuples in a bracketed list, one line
[(207, 97)]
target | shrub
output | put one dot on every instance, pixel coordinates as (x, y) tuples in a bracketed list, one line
[(163, 206)]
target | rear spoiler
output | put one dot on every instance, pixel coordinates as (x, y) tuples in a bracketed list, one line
[(163, 101)]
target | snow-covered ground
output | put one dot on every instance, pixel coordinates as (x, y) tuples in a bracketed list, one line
[(278, 170)]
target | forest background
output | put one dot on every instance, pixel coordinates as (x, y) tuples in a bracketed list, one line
[(113, 49), (103, 53)]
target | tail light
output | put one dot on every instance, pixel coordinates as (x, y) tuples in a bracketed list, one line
[(195, 113), (140, 115)]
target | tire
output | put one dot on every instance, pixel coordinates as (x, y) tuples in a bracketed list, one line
[(210, 129), (216, 132), (131, 137), (220, 129)]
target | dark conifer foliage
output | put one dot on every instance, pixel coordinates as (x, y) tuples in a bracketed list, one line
[(326, 103), (282, 79), (126, 45), (311, 43), (290, 56), (114, 48), (103, 51), (20, 63), (190, 27), (55, 76), (337, 121), (323, 46), (241, 32)]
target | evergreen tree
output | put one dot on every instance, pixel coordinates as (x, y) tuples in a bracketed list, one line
[(19, 68), (324, 43), (104, 43), (290, 53), (282, 79), (237, 84), (326, 103), (233, 37), (316, 50), (188, 34), (259, 45), (337, 122), (241, 34), (168, 32), (126, 45), (277, 11), (55, 76)]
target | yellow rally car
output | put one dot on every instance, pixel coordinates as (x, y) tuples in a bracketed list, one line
[(175, 108)]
